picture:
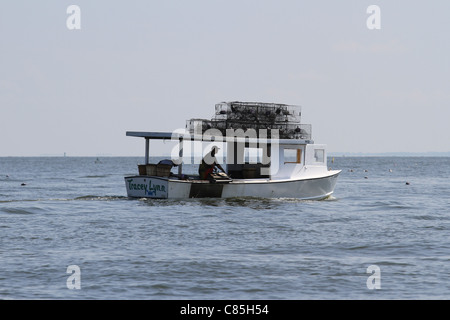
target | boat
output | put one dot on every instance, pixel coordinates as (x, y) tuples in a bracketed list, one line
[(268, 153)]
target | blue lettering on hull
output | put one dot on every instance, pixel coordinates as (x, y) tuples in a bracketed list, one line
[(146, 187)]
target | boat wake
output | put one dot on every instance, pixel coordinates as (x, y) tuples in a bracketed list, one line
[(101, 198), (257, 203), (88, 197)]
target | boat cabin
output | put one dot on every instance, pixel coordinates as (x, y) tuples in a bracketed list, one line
[(246, 158)]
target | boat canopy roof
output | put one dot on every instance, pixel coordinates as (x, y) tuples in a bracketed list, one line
[(151, 135), (210, 138)]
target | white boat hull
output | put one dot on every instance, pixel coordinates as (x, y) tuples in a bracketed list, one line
[(166, 188)]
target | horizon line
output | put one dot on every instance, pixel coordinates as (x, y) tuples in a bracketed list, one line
[(330, 154)]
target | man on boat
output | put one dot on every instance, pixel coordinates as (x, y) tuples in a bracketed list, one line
[(209, 163)]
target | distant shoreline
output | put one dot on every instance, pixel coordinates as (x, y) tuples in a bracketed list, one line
[(330, 155), (389, 154)]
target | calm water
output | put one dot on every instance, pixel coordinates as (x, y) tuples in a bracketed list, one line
[(73, 211)]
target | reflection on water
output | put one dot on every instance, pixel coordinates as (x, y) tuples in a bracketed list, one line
[(247, 202)]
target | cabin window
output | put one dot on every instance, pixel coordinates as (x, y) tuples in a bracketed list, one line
[(253, 155), (292, 155), (319, 155)]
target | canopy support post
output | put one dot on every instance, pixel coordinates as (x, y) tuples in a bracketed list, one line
[(180, 155), (147, 150)]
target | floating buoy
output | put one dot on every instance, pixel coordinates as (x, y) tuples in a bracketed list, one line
[(390, 170)]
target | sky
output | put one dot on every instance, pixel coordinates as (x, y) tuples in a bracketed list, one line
[(151, 65)]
